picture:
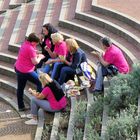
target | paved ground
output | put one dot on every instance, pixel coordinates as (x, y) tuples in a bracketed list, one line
[(129, 7), (12, 127)]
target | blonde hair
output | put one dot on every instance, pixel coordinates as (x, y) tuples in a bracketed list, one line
[(57, 37), (72, 44), (44, 78)]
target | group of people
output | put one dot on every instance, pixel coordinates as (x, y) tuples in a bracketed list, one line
[(58, 62)]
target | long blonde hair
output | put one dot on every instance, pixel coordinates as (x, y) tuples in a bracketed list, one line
[(44, 78), (73, 45)]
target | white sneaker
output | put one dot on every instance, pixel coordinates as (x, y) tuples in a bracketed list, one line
[(31, 122), (29, 116)]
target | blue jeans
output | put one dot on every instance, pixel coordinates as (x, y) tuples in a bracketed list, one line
[(21, 83), (101, 72), (37, 103), (99, 78), (65, 71), (56, 70)]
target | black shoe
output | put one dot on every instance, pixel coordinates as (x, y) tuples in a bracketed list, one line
[(23, 109)]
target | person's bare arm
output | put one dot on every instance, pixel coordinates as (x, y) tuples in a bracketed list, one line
[(36, 94), (37, 59)]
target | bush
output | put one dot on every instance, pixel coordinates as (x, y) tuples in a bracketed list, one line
[(120, 93), (80, 113), (124, 126)]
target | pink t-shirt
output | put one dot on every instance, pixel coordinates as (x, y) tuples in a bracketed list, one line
[(24, 63), (56, 105), (114, 55), (61, 48), (48, 43)]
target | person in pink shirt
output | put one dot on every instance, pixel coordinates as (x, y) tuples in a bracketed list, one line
[(51, 98), (46, 40), (24, 67), (111, 62), (60, 51)]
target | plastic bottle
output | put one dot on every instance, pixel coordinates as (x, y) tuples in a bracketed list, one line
[(76, 80)]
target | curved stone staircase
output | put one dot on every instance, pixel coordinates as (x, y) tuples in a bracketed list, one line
[(81, 19)]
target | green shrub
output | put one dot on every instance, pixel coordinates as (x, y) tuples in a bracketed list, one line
[(79, 119), (124, 126), (78, 134), (135, 79), (120, 93), (92, 134), (96, 108), (80, 113)]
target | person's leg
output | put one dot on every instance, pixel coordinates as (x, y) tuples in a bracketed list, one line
[(64, 72), (21, 83), (47, 68), (56, 70), (99, 79), (37, 103), (33, 77)]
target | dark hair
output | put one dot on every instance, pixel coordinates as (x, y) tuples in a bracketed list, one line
[(50, 29), (106, 41), (33, 38)]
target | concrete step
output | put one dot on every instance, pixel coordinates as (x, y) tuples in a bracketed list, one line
[(4, 4), (8, 57), (37, 17), (115, 21), (7, 69), (7, 27), (12, 99), (119, 16), (52, 12), (127, 34), (21, 24), (1, 19)]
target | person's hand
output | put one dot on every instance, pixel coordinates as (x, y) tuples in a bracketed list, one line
[(41, 56), (41, 37), (62, 58), (38, 52), (33, 92), (49, 62), (47, 48), (97, 54)]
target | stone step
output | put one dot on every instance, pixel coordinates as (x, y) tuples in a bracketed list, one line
[(11, 99), (119, 16), (1, 18), (10, 84), (7, 27), (21, 24), (37, 17), (130, 36), (4, 4), (8, 57), (70, 131), (115, 21), (52, 12)]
